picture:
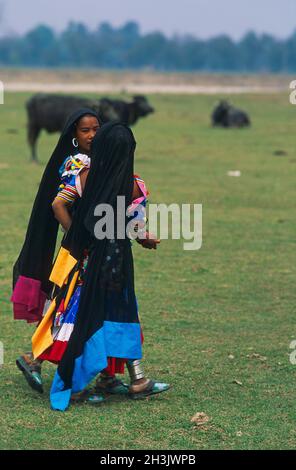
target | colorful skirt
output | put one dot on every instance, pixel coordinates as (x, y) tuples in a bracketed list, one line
[(59, 320)]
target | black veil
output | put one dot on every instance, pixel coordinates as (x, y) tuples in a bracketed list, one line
[(110, 176), (36, 256)]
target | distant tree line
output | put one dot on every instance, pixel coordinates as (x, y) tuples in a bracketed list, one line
[(126, 47)]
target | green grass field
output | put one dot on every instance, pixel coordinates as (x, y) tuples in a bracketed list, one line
[(234, 297)]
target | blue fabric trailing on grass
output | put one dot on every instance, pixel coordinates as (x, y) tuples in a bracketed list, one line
[(114, 339)]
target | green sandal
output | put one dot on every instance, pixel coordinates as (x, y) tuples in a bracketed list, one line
[(87, 396), (95, 399), (31, 371), (111, 385), (152, 388)]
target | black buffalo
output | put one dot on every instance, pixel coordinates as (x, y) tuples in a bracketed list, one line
[(129, 113), (50, 112), (226, 115)]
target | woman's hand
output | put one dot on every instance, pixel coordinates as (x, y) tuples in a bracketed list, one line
[(150, 241)]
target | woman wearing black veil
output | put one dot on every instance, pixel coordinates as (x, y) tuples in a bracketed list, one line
[(92, 323)]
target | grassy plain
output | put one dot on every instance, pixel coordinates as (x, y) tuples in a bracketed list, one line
[(217, 322)]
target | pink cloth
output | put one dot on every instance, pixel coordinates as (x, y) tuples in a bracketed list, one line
[(140, 199), (28, 300)]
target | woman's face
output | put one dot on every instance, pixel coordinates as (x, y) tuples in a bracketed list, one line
[(86, 129)]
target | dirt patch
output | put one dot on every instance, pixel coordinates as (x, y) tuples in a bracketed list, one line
[(98, 81)]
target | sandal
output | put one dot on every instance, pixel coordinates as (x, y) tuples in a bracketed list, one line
[(111, 385), (87, 396), (151, 388), (95, 399), (79, 397), (31, 370)]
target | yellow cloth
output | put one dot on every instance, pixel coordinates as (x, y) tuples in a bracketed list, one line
[(42, 338), (71, 289), (62, 267)]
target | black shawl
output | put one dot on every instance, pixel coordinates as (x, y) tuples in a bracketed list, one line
[(36, 256), (110, 175)]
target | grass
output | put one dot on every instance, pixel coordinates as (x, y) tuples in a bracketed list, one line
[(234, 297)]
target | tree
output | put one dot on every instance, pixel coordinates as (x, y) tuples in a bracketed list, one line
[(221, 54), (36, 44), (249, 52), (125, 47), (147, 51), (75, 45), (290, 53), (272, 56)]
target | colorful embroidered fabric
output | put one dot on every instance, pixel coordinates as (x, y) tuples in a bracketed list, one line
[(70, 187), (64, 316)]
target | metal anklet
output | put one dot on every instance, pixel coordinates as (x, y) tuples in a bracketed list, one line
[(135, 370)]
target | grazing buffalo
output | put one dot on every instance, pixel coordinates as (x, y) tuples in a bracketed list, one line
[(129, 113), (50, 112), (226, 115)]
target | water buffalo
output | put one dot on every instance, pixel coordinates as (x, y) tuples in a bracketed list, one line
[(226, 115), (50, 112), (129, 113)]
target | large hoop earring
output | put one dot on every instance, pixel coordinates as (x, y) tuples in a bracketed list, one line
[(74, 142)]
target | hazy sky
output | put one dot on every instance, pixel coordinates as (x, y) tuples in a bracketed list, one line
[(202, 18)]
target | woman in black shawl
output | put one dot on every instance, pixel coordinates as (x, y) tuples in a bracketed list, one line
[(31, 284), (106, 324)]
